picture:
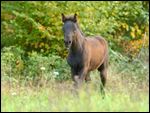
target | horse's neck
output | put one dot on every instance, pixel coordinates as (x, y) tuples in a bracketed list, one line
[(80, 29), (77, 45)]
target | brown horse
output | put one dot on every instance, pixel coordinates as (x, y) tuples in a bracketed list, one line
[(85, 53)]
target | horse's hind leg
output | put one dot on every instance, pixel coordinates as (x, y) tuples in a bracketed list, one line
[(88, 78), (103, 75)]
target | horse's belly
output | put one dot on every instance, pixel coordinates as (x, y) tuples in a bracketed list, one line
[(94, 65), (96, 60)]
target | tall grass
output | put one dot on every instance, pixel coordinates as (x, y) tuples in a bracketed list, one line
[(121, 95), (127, 87), (60, 97)]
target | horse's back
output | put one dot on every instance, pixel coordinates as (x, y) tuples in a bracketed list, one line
[(97, 41)]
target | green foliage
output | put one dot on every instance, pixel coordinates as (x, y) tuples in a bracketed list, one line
[(34, 67), (36, 26), (12, 63), (136, 68), (52, 67)]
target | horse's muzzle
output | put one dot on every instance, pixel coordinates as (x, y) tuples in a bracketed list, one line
[(67, 44)]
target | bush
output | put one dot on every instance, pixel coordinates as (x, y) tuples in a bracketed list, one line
[(51, 67), (12, 62), (37, 67), (36, 26), (126, 67), (34, 67)]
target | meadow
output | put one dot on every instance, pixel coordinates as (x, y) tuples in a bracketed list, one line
[(126, 90), (35, 75), (54, 96)]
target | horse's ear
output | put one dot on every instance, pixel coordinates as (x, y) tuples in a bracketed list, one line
[(75, 17), (63, 17)]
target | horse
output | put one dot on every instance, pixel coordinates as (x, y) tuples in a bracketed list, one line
[(85, 54)]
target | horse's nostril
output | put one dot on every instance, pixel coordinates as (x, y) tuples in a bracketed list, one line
[(65, 42), (69, 42)]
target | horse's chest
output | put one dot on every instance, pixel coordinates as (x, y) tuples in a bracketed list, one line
[(75, 60)]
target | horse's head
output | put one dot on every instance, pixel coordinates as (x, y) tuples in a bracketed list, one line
[(69, 29)]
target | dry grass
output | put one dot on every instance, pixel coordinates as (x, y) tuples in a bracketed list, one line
[(122, 94)]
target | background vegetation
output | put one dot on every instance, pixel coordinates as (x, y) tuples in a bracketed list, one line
[(34, 69)]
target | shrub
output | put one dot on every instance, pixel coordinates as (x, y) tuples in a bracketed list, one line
[(124, 66), (12, 64), (36, 26), (33, 67)]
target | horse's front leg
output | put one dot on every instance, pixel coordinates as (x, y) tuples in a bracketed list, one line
[(80, 77), (74, 76)]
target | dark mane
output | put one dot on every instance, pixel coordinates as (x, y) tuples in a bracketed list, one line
[(80, 29)]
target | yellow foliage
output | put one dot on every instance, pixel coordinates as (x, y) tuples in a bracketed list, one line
[(36, 45), (113, 13), (41, 28), (29, 53), (19, 65), (133, 47), (139, 32), (132, 34), (46, 46), (26, 43), (41, 44), (42, 50), (132, 29), (32, 44), (136, 26)]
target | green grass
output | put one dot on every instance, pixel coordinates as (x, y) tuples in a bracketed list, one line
[(127, 89), (55, 96)]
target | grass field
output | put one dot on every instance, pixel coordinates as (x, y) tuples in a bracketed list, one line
[(121, 95)]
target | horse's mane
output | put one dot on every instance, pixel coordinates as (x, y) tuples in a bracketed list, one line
[(79, 29)]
